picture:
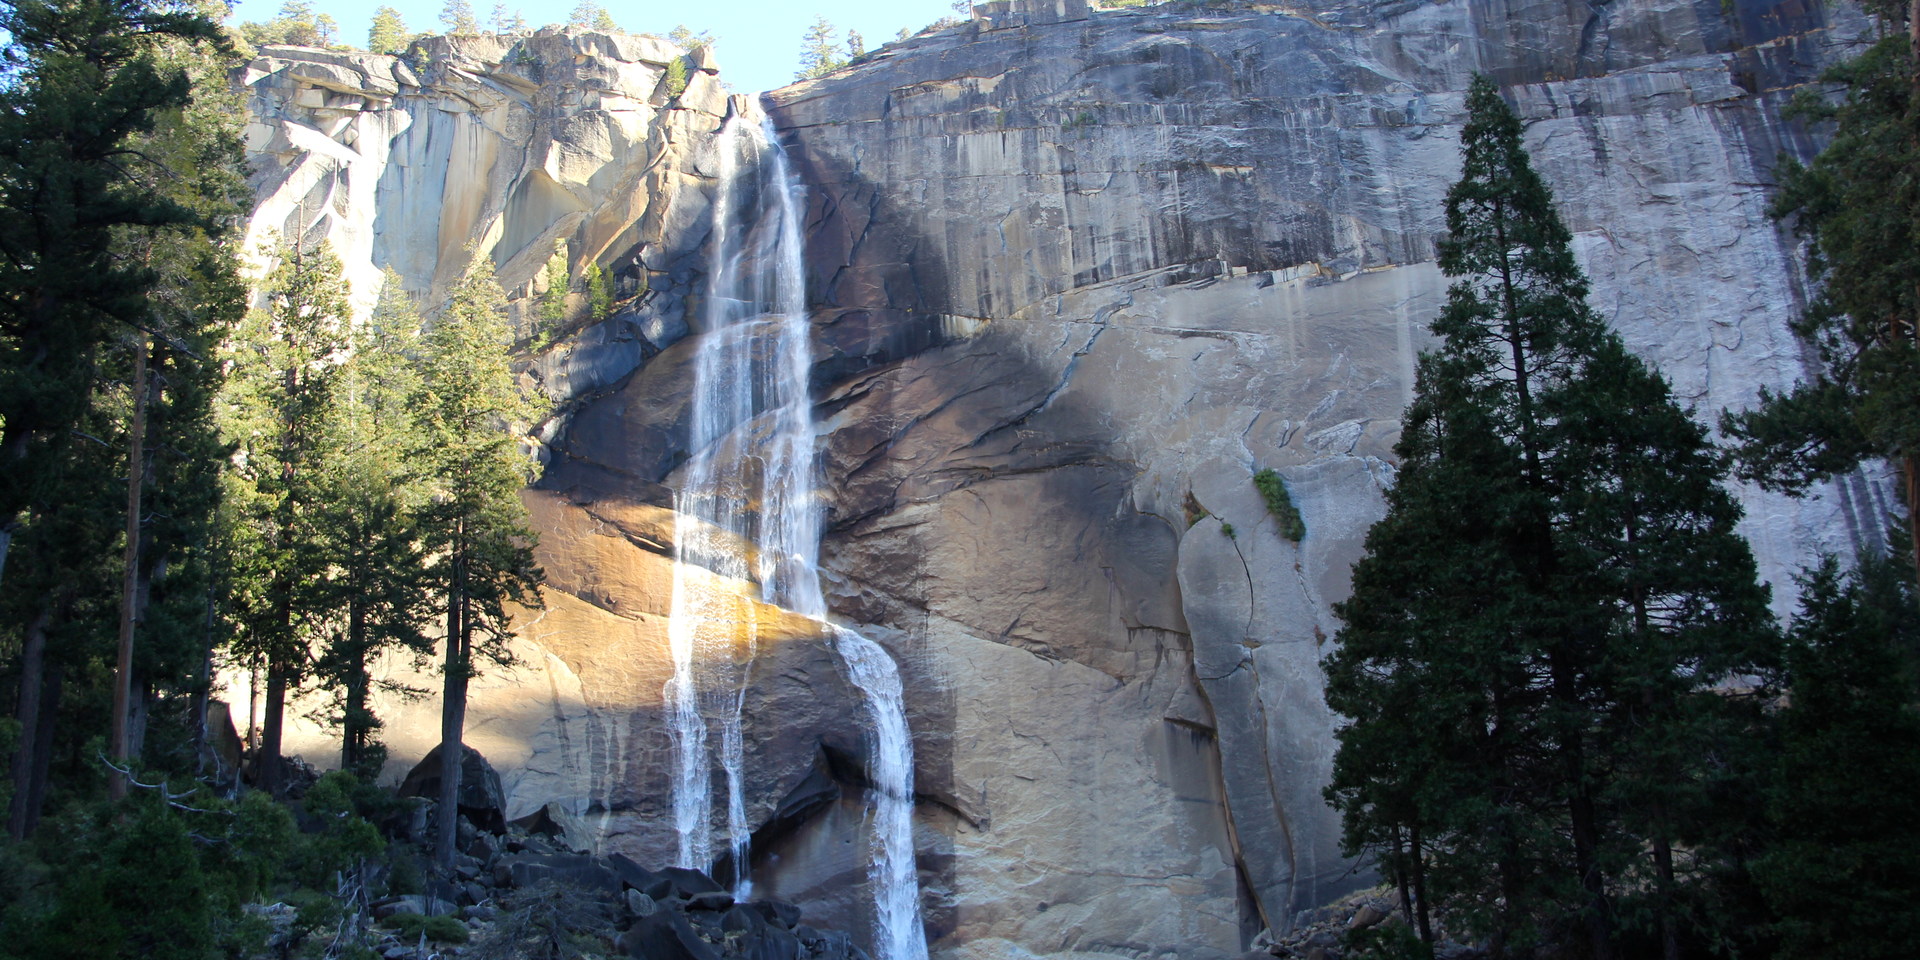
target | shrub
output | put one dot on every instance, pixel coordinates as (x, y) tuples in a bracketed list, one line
[(442, 929), (676, 76), (1274, 491)]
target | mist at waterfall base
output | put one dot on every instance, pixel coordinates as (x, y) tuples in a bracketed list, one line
[(753, 517)]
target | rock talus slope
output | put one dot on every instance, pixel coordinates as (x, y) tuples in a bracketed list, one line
[(1078, 276)]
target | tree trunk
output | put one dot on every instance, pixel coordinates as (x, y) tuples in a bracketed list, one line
[(33, 660), (1420, 889), (453, 712), (354, 729), (43, 746), (256, 694), (1582, 820), (1911, 467), (6, 542), (1400, 879), (1663, 867), (271, 772), (130, 576), (203, 691), (271, 775)]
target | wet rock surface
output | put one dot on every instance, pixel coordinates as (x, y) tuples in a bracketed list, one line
[(1078, 275)]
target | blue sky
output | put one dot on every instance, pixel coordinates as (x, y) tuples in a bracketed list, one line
[(759, 44)]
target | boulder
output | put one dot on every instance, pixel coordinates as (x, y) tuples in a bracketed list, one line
[(479, 799), (524, 870), (785, 915), (666, 935)]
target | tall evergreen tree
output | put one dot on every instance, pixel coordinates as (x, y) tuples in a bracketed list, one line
[(388, 32), (285, 371), (86, 81), (1843, 873), (1858, 204), (458, 17), (1555, 588), (377, 590), (819, 51), (468, 405)]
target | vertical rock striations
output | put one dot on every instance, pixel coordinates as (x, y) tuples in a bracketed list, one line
[(1076, 277)]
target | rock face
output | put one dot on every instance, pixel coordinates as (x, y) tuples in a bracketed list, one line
[(1078, 276)]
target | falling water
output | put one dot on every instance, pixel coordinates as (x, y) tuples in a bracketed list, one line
[(895, 882), (752, 365)]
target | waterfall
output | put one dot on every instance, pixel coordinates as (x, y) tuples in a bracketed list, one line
[(897, 934), (751, 366)]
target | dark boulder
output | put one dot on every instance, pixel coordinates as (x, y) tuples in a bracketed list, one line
[(778, 912), (666, 936), (526, 869), (480, 798), (690, 882)]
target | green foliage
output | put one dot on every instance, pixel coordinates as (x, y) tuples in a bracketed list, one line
[(458, 17), (819, 51), (550, 311), (89, 78), (676, 78), (1541, 621), (376, 596), (1226, 529), (1385, 941), (296, 24), (475, 524), (1274, 491), (547, 921), (592, 16), (281, 397), (442, 929), (1848, 765), (388, 33), (684, 38), (1858, 205), (345, 840), (506, 21), (599, 295)]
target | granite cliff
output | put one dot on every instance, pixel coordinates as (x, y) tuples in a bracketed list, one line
[(1076, 276)]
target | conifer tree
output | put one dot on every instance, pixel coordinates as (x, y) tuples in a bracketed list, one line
[(1554, 590), (85, 82), (388, 33), (377, 588), (819, 51), (458, 17), (468, 405), (1858, 203), (285, 372), (1846, 847)]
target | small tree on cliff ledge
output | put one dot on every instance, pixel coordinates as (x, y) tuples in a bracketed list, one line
[(1556, 587), (467, 404)]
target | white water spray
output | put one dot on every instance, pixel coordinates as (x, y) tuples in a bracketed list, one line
[(752, 365)]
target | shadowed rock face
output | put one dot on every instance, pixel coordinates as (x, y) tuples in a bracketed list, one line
[(1077, 277)]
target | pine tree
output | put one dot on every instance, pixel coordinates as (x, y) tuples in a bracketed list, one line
[(388, 34), (684, 38), (1858, 203), (819, 51), (1848, 766), (590, 15), (1540, 618), (85, 82), (458, 17), (377, 592), (476, 525), (285, 372)]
